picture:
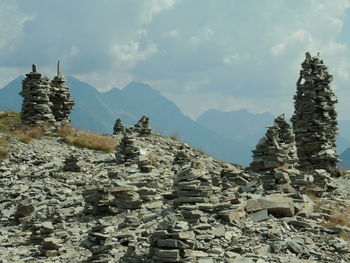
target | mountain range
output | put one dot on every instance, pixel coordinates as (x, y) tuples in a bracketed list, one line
[(228, 136)]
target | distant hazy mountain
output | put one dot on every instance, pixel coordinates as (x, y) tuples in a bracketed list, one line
[(98, 111), (345, 157), (239, 125)]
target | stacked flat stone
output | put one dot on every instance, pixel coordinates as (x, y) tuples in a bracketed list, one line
[(125, 197), (42, 233), (181, 158), (275, 154), (118, 127), (145, 164), (71, 164), (172, 241), (60, 98), (315, 118), (127, 153), (97, 243), (97, 200), (142, 126), (193, 189), (36, 106)]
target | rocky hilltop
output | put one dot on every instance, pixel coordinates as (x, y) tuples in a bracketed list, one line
[(136, 196), (62, 203)]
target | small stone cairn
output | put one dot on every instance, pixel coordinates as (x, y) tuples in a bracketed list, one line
[(275, 154), (172, 241), (36, 107), (193, 188), (315, 118), (71, 164), (98, 243), (60, 98), (127, 153), (118, 127), (45, 102), (142, 126)]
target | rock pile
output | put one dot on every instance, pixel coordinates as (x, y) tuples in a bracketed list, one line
[(45, 102), (126, 151), (118, 127), (42, 233), (315, 118), (142, 126), (276, 149), (60, 98), (97, 243), (71, 164), (37, 106), (276, 155), (172, 242), (97, 200)]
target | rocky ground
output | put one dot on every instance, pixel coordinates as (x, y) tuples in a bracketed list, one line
[(60, 203)]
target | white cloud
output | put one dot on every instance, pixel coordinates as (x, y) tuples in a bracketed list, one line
[(11, 23), (130, 54), (155, 7), (173, 33), (204, 35)]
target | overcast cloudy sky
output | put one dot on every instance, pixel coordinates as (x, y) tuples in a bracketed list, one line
[(223, 54)]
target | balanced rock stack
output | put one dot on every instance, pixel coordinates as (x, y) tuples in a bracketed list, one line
[(127, 153), (42, 233), (36, 107), (172, 241), (97, 243), (193, 189), (97, 200), (71, 164), (45, 102), (315, 118), (60, 98), (181, 157), (275, 154), (142, 126), (118, 127)]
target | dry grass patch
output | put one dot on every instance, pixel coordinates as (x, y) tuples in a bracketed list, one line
[(8, 119), (340, 217), (4, 154), (86, 139), (27, 133)]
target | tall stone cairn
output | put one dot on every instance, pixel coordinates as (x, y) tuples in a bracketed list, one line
[(315, 118), (118, 127), (36, 106), (61, 98)]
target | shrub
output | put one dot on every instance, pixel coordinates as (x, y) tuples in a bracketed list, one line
[(85, 139)]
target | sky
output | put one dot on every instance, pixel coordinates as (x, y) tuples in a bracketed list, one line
[(201, 54)]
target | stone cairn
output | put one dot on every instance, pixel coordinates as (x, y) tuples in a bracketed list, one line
[(315, 118), (193, 189), (36, 107), (99, 243), (275, 154), (71, 164), (118, 127), (45, 102), (60, 98), (172, 241), (142, 126), (127, 152)]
